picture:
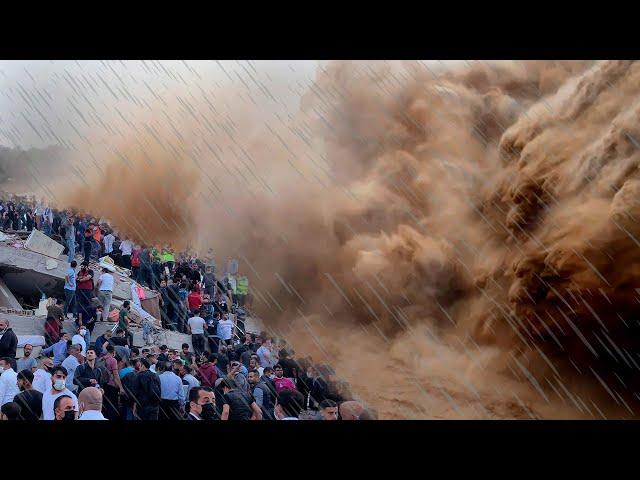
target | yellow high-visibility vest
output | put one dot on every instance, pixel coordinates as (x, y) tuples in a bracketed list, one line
[(242, 287)]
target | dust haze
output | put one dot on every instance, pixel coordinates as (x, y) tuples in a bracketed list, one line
[(457, 241)]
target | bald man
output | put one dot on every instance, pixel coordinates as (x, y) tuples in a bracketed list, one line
[(351, 410), (90, 403)]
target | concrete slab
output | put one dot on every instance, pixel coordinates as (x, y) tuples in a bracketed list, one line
[(38, 242), (7, 299)]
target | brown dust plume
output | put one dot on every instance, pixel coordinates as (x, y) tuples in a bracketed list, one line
[(458, 242)]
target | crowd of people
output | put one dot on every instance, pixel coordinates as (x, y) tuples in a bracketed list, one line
[(229, 375)]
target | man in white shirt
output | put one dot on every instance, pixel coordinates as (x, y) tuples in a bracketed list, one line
[(105, 289), (225, 328), (71, 363), (108, 243), (80, 338), (90, 400), (42, 377), (8, 381), (126, 247), (197, 326), (57, 388)]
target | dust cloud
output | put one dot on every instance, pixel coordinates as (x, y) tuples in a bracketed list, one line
[(458, 242)]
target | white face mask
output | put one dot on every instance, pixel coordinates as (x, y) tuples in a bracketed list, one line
[(59, 384), (83, 332), (2, 369)]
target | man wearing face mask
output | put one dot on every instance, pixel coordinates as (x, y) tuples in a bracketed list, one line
[(201, 404), (8, 381), (42, 376), (71, 363), (90, 400), (64, 409), (58, 389), (80, 338), (30, 400)]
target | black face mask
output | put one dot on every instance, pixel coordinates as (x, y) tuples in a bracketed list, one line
[(208, 411), (69, 416)]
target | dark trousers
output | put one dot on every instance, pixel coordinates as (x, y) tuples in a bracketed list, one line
[(169, 410), (213, 343), (126, 261), (197, 340), (126, 412), (145, 276), (87, 250), (148, 413), (111, 404), (135, 274), (156, 273), (83, 299), (69, 301)]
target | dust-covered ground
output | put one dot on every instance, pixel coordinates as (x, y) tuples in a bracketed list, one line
[(458, 241)]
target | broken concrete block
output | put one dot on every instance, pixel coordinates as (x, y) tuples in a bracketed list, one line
[(40, 243)]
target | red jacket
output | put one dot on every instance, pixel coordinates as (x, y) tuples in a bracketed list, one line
[(283, 384), (208, 375), (195, 301), (52, 329)]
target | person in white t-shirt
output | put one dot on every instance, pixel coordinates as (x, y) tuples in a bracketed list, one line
[(225, 328), (56, 389), (126, 247), (8, 381), (80, 338), (105, 290), (108, 243), (71, 363), (197, 326), (42, 377)]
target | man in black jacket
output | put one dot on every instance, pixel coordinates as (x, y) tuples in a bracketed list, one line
[(263, 393), (8, 341), (147, 387), (88, 374)]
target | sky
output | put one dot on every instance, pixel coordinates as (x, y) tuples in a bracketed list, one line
[(69, 102)]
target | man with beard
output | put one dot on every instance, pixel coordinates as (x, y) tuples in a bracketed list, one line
[(57, 389), (201, 404), (263, 394), (8, 340), (64, 408), (89, 374), (27, 362), (8, 381), (29, 399), (42, 376)]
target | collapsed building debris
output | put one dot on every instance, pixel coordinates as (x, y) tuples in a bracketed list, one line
[(32, 274)]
